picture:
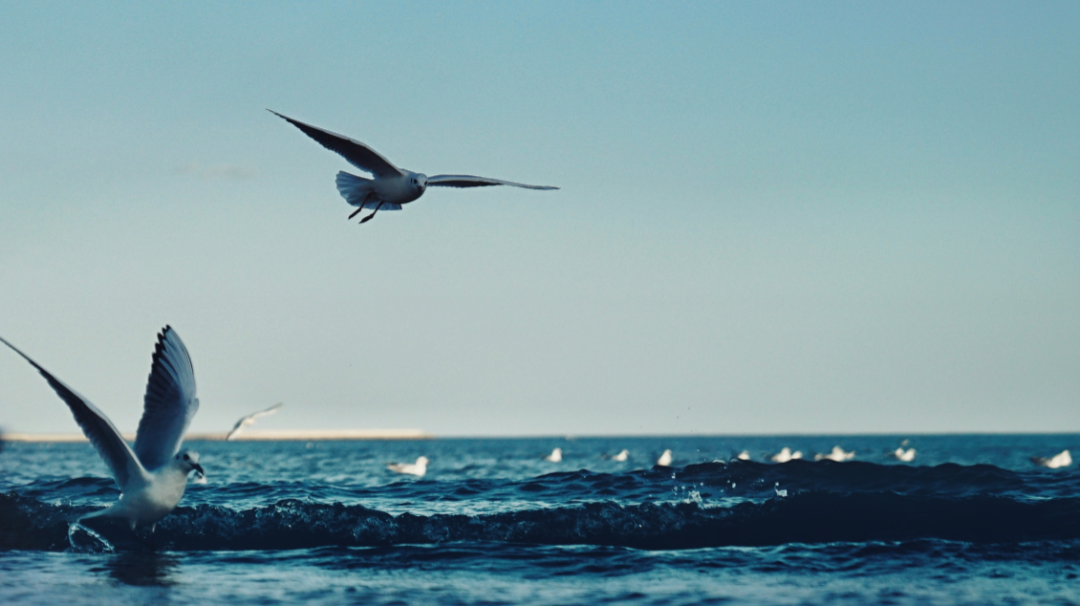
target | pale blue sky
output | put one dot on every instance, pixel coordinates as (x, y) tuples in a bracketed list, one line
[(774, 217)]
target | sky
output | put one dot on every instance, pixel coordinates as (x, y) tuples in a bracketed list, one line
[(774, 217)]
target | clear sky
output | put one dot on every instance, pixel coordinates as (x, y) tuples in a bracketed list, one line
[(774, 217)]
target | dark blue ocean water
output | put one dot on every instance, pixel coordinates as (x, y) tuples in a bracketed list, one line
[(970, 521)]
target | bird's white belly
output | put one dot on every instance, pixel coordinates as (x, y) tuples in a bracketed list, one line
[(149, 505), (396, 190)]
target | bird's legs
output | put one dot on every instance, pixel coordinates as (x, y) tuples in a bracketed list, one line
[(372, 215), (357, 211)]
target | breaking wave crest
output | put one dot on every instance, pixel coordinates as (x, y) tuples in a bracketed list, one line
[(807, 517)]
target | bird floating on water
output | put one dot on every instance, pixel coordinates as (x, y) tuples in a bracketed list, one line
[(906, 456), (419, 468), (250, 420), (665, 459), (1061, 459), (555, 456), (622, 456), (743, 456), (785, 455), (152, 476), (837, 455), (390, 186)]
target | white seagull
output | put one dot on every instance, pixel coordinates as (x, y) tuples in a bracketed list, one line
[(665, 459), (555, 456), (906, 456), (837, 455), (153, 476), (250, 420), (622, 456), (1061, 459), (419, 468), (785, 455), (390, 186), (743, 456)]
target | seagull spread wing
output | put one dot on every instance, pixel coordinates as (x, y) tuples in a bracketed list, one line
[(359, 155), (170, 402), (471, 181), (249, 419), (102, 434)]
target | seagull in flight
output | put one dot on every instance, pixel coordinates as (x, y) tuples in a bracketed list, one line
[(250, 420), (390, 186), (153, 475)]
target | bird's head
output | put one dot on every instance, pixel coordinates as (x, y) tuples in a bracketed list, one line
[(188, 461), (422, 461), (419, 181)]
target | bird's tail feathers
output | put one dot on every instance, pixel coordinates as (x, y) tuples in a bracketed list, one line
[(356, 192), (354, 189)]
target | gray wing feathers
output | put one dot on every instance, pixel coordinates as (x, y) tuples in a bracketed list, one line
[(98, 429), (170, 402), (250, 419), (472, 181), (359, 155)]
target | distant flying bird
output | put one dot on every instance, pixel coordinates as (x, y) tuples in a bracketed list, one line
[(555, 456), (250, 420), (1061, 459), (785, 455), (665, 459), (837, 455), (152, 477), (419, 468), (390, 186)]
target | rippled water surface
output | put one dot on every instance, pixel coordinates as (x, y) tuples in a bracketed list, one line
[(971, 520)]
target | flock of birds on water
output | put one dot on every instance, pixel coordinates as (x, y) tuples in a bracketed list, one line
[(153, 473)]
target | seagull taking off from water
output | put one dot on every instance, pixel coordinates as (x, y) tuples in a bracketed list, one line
[(250, 420), (419, 468), (1061, 459), (152, 477), (390, 186)]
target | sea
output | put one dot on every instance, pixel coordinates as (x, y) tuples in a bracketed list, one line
[(971, 520)]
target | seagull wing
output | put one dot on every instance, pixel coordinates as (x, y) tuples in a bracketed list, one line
[(249, 419), (102, 434), (169, 404), (471, 181), (359, 155)]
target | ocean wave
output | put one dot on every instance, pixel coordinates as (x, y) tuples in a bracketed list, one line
[(805, 517)]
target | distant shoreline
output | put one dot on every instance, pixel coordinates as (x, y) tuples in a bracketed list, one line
[(262, 435)]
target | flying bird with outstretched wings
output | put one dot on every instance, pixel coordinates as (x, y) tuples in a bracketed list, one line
[(389, 186)]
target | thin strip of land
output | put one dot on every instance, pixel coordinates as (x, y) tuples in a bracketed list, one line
[(285, 435)]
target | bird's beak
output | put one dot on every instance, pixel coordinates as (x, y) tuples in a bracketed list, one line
[(199, 469)]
